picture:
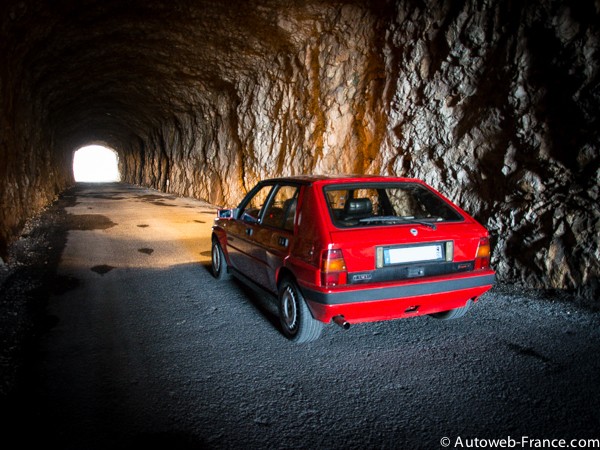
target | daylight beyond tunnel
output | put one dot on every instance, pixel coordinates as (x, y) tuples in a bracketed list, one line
[(95, 163), (494, 103)]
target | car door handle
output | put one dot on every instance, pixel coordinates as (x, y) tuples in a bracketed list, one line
[(249, 231), (283, 241)]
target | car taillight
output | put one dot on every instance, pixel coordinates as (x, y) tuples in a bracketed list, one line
[(482, 258), (333, 268)]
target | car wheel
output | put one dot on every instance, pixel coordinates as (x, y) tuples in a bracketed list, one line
[(219, 264), (453, 313), (297, 323)]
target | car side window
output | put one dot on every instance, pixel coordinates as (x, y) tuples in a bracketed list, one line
[(250, 209), (280, 213)]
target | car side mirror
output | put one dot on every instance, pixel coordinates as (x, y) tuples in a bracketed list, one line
[(227, 213)]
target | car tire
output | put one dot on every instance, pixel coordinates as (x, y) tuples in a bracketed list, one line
[(218, 262), (297, 323), (451, 314)]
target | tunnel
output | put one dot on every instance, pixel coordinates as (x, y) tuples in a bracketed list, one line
[(495, 103)]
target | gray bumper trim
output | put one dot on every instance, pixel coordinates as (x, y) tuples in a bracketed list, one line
[(391, 293)]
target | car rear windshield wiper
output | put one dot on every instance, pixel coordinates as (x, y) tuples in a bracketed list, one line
[(396, 219)]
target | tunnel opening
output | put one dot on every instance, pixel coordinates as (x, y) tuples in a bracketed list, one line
[(96, 164)]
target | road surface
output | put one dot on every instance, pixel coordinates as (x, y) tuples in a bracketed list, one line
[(148, 350)]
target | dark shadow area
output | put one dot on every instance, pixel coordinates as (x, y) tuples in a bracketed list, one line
[(167, 440), (26, 286), (102, 269), (265, 303), (155, 197), (64, 283), (86, 222)]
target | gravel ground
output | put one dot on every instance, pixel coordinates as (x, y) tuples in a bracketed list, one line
[(138, 346)]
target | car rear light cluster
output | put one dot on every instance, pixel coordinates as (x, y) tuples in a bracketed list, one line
[(482, 258), (333, 268)]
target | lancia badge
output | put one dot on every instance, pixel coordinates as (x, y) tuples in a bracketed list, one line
[(414, 231)]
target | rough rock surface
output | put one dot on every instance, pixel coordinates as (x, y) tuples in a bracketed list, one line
[(494, 102)]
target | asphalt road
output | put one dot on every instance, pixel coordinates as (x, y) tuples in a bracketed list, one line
[(148, 350)]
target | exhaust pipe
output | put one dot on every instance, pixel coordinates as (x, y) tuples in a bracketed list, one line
[(341, 321)]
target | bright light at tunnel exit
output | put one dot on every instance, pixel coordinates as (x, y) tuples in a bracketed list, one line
[(96, 164)]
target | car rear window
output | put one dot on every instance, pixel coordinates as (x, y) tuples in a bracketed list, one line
[(367, 204)]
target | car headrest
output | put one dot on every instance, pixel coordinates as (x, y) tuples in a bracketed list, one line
[(359, 207)]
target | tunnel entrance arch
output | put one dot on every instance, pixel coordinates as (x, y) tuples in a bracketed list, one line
[(96, 163)]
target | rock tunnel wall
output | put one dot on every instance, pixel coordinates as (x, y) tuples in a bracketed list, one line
[(494, 103)]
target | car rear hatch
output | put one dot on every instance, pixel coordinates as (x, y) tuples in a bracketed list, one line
[(409, 251)]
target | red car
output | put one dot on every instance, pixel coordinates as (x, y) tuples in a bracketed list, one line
[(353, 249)]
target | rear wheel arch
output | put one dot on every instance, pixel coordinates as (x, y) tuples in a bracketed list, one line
[(296, 320), (284, 273)]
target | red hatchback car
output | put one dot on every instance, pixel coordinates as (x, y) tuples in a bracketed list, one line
[(353, 249)]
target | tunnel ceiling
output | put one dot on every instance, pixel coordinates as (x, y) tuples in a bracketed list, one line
[(493, 102), (112, 67)]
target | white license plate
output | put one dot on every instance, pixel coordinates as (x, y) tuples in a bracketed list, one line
[(401, 255)]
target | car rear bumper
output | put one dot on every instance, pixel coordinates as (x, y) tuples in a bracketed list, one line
[(399, 300)]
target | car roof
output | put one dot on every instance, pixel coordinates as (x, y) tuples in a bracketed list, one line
[(340, 178)]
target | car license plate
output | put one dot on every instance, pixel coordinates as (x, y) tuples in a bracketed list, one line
[(417, 253)]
